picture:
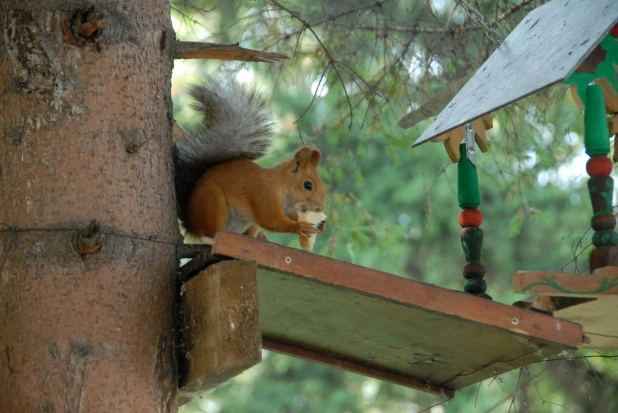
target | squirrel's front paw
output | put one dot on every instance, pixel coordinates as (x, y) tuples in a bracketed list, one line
[(306, 229)]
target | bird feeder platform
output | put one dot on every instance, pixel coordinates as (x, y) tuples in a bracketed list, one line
[(388, 327), (594, 314)]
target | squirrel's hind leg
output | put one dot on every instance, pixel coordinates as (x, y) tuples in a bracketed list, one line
[(256, 231), (253, 231), (208, 212)]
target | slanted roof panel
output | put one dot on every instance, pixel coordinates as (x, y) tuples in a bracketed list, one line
[(545, 48)]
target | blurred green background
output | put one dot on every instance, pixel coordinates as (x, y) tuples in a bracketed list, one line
[(355, 68)]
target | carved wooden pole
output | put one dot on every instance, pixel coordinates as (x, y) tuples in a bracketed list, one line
[(600, 184), (470, 219), (87, 217)]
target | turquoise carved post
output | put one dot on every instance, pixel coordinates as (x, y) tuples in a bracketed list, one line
[(470, 219)]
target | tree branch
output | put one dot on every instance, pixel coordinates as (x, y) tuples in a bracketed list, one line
[(510, 11), (200, 50), (317, 38)]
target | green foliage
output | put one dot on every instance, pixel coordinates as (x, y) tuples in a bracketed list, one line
[(394, 208), (296, 387)]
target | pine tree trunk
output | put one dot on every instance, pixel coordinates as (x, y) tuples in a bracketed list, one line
[(87, 218)]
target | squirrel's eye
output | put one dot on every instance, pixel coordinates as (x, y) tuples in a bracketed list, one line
[(308, 185)]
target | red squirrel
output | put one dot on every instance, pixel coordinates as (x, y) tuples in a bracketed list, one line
[(219, 187)]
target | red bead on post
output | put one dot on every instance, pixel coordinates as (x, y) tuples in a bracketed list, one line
[(470, 218), (599, 165)]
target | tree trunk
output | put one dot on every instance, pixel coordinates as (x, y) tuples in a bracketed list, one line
[(87, 217)]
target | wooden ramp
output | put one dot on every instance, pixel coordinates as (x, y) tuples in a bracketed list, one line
[(596, 316), (388, 327)]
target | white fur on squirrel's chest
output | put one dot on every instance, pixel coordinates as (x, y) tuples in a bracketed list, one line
[(238, 222)]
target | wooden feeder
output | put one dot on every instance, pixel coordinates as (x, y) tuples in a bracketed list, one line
[(355, 318), (408, 332), (575, 42)]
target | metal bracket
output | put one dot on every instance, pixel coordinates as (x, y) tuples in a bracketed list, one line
[(470, 140)]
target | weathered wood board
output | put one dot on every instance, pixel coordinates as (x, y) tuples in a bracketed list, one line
[(221, 334), (599, 322), (388, 327), (596, 317)]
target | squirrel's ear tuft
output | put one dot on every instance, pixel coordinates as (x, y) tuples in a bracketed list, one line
[(308, 156), (303, 154), (315, 157)]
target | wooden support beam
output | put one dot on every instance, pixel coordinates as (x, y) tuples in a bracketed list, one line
[(200, 259), (221, 334), (356, 367)]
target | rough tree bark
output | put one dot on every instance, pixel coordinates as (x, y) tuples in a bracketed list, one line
[(87, 218)]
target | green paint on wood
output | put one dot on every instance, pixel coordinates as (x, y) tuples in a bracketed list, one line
[(398, 338), (602, 238), (469, 195), (475, 285), (605, 285), (472, 243), (604, 70), (601, 190), (596, 133)]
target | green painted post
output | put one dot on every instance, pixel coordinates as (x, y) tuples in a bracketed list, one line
[(596, 131), (470, 218), (469, 195)]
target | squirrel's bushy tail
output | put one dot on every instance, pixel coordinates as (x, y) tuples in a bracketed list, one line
[(236, 123)]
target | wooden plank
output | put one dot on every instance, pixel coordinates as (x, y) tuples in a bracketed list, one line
[(387, 286), (596, 316), (604, 281), (391, 327), (342, 363), (221, 335)]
